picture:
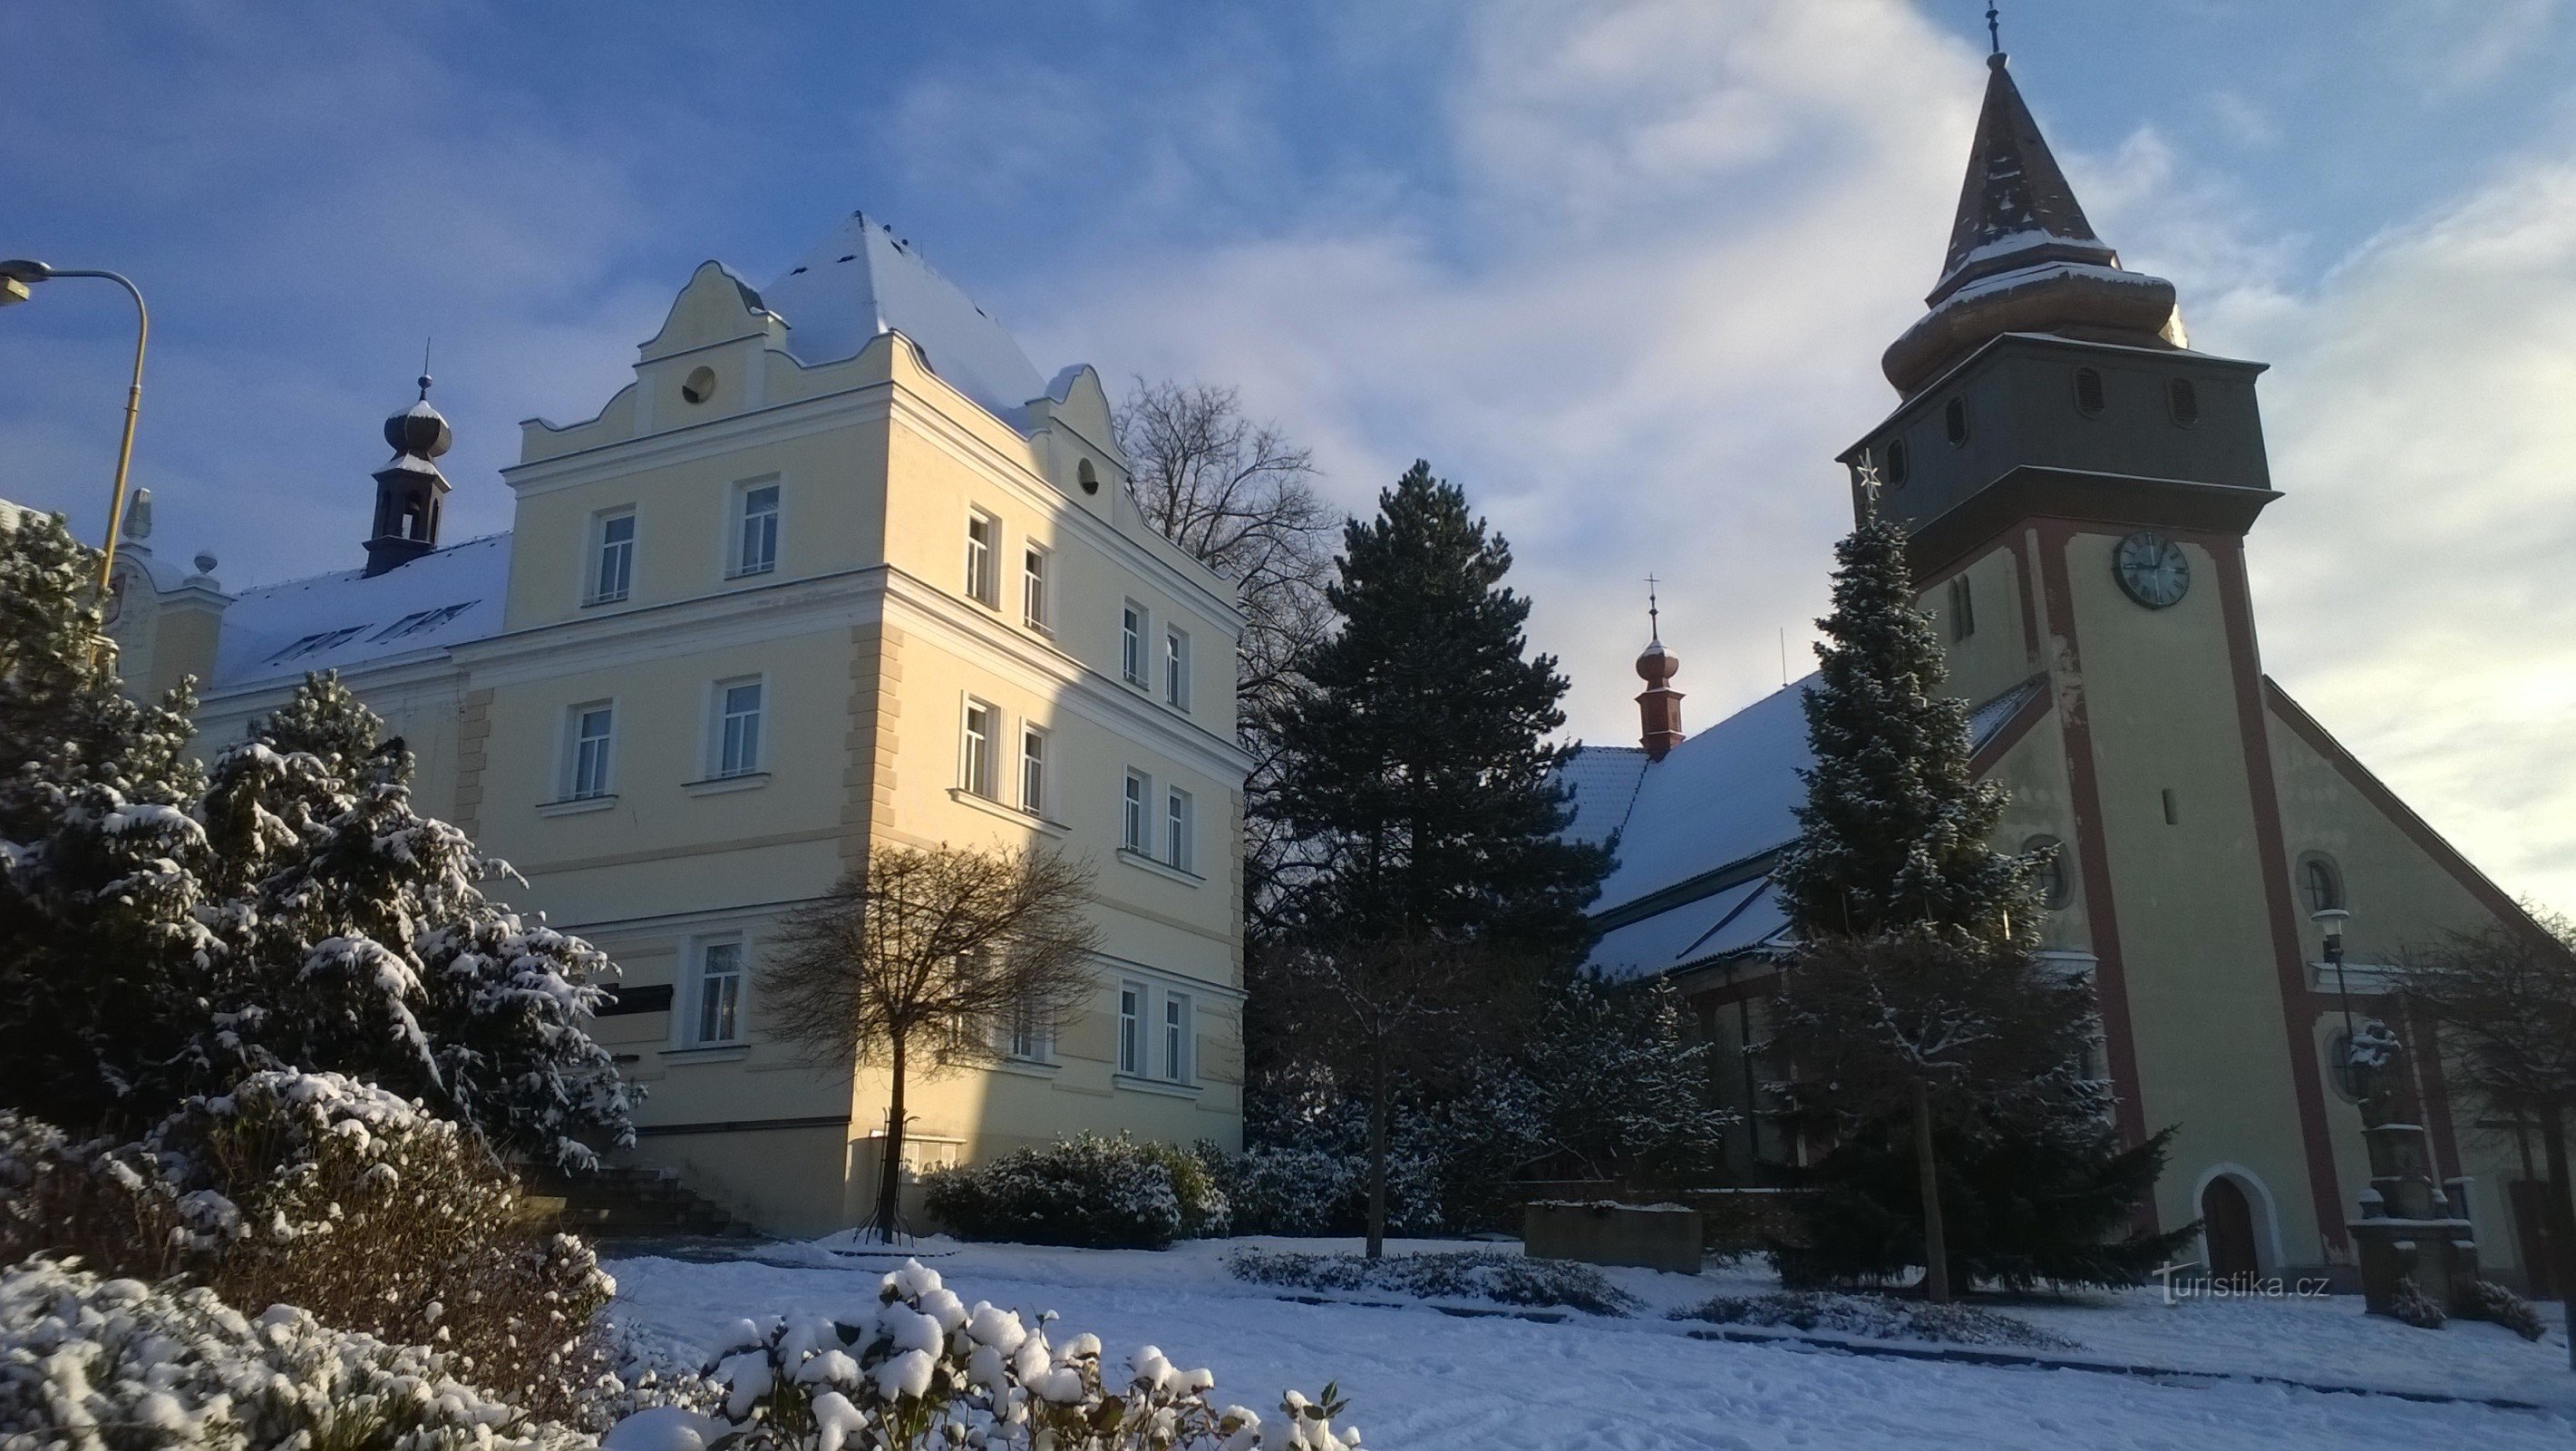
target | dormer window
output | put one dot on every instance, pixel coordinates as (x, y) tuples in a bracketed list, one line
[(2088, 391), (2183, 400)]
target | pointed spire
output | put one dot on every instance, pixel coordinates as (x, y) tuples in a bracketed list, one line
[(2015, 207)]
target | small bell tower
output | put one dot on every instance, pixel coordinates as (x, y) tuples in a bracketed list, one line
[(410, 491), (1659, 706)]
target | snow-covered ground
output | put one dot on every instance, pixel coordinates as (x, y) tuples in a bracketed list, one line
[(1421, 1380)]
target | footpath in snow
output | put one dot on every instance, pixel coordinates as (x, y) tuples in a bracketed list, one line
[(1423, 1380)]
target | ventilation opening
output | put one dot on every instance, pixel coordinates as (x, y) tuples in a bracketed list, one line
[(699, 386), (2184, 400), (1955, 418), (2088, 391), (1898, 465)]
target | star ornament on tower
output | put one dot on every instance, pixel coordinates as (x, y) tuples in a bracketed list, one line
[(1865, 476)]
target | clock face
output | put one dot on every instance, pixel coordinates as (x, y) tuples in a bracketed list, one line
[(2151, 569)]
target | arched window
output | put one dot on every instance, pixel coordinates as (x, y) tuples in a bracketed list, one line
[(2320, 882), (2088, 391), (1898, 465), (2184, 400), (2051, 872), (1955, 419)]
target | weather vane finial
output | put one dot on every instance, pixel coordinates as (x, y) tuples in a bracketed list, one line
[(424, 369), (1654, 615), (1994, 30)]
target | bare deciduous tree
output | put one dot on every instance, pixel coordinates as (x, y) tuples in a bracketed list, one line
[(1239, 496), (931, 954), (2501, 1005)]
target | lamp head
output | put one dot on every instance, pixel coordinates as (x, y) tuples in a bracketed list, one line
[(16, 274), (2330, 918)]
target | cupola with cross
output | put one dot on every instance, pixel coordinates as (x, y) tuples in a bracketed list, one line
[(1659, 706), (410, 491)]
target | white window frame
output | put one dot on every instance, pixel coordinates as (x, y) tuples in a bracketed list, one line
[(1176, 667), (720, 719), (1025, 1038), (739, 564), (1132, 1002), (691, 1021), (1034, 768), (1037, 579), (571, 778), (1135, 625), (595, 589), (1178, 1029), (976, 748), (1136, 815), (984, 557), (1180, 828)]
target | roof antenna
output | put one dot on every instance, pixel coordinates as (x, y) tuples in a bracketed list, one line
[(424, 369), (1994, 30), (1654, 621)]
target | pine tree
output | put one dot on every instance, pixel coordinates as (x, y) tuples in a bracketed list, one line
[(1920, 1026), (1419, 784)]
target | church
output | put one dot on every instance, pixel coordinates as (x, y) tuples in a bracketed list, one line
[(838, 569), (2079, 485)]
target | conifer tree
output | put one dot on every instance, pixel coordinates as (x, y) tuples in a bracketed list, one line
[(1922, 1031), (1420, 785)]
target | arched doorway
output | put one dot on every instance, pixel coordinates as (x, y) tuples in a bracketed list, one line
[(2227, 1226)]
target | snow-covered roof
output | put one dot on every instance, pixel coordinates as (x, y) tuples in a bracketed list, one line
[(339, 621), (1602, 785), (862, 280)]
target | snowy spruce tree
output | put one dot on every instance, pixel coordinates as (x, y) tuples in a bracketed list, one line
[(1419, 784), (1924, 1037), (166, 930)]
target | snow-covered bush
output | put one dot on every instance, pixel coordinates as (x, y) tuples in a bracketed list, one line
[(2408, 1303), (1506, 1279), (92, 1363), (2491, 1301), (1877, 1317), (1278, 1189), (922, 1368), (1096, 1192)]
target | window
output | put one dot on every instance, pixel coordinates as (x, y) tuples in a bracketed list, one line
[(1963, 609), (699, 386), (2088, 391), (1027, 1037), (1176, 830), (1133, 829), (738, 712), (1954, 420), (1033, 781), (1131, 643), (316, 644), (1899, 465), (593, 733), (1176, 668), (613, 566), (983, 540), (2048, 870), (755, 548), (975, 757), (2320, 883), (1033, 589), (1131, 1028), (716, 1015), (1085, 475), (1176, 1037), (2184, 401), (415, 622)]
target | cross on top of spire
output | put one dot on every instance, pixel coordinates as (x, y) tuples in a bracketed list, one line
[(1654, 622), (1994, 32)]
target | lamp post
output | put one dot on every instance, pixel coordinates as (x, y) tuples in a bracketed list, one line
[(2332, 919), (16, 277)]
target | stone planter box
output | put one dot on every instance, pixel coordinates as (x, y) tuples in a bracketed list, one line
[(1648, 1236)]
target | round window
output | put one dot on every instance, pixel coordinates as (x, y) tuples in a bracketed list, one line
[(699, 386), (1085, 475)]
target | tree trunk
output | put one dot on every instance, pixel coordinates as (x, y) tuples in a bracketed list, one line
[(1936, 1245), (1377, 1156), (888, 1219), (2562, 1218)]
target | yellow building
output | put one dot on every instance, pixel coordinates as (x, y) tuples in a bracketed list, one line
[(2078, 485), (839, 569)]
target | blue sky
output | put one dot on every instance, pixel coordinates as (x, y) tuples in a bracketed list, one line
[(1623, 270)]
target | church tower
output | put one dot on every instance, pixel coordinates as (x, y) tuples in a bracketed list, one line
[(2078, 483)]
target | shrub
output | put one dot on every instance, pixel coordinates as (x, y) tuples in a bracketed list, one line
[(1095, 1192), (2408, 1303), (1876, 1317), (1294, 1191), (1507, 1279), (341, 1199), (86, 1361), (2491, 1301), (922, 1367)]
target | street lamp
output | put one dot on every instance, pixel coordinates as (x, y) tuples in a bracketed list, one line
[(17, 276), (2332, 919)]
